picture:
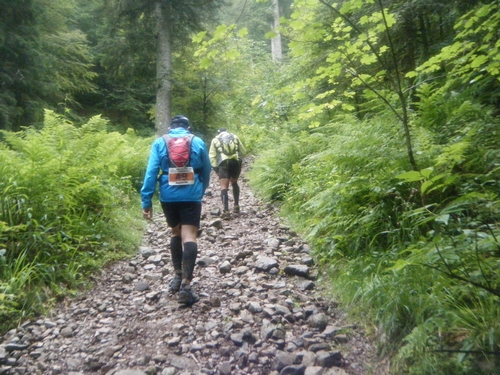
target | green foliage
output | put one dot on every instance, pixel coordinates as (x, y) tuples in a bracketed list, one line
[(124, 58), (473, 56), (346, 187), (414, 252), (255, 16), (357, 57), (274, 172), (230, 70), (65, 196), (468, 68), (45, 61)]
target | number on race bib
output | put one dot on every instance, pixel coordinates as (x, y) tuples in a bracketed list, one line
[(181, 176)]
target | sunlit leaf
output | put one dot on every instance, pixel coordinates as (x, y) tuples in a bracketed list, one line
[(478, 61), (199, 37), (443, 219), (271, 34), (410, 176), (242, 32)]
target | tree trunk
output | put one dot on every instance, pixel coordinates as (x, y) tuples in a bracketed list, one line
[(163, 70), (276, 50), (424, 36)]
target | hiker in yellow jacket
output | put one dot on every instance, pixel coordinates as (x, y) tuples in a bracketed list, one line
[(226, 156)]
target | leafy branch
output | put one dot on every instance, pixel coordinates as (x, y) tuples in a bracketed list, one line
[(451, 274), (397, 84)]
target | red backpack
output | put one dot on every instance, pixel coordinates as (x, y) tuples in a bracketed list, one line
[(178, 150)]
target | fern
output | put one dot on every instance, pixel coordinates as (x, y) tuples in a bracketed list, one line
[(64, 197)]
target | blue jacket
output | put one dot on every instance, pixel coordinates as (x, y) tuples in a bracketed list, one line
[(158, 161)]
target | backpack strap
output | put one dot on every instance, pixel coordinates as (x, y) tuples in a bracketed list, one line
[(218, 146), (166, 138)]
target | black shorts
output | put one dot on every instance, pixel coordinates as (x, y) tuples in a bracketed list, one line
[(184, 213), (230, 168)]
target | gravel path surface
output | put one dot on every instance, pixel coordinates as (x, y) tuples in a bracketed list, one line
[(261, 310)]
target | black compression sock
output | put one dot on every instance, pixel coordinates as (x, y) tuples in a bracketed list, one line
[(189, 260), (236, 194), (225, 199), (176, 252)]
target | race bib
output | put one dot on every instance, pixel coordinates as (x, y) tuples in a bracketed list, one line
[(181, 176)]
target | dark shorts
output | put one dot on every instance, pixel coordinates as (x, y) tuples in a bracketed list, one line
[(184, 213), (230, 168)]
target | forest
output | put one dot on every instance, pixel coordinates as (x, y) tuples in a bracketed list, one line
[(374, 126)]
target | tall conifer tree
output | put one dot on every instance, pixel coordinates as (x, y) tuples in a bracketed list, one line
[(175, 20)]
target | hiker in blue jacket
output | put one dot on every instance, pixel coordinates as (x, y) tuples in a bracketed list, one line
[(180, 201)]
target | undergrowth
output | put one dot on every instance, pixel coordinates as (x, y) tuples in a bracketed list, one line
[(68, 205), (413, 254)]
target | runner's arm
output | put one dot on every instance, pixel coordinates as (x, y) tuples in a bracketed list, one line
[(241, 149), (151, 176), (207, 168), (213, 154)]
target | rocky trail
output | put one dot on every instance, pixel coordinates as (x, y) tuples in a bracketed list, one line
[(262, 310)]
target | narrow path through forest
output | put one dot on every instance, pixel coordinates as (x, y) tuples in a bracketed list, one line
[(261, 310)]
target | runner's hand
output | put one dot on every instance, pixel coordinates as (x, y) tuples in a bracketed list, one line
[(147, 213)]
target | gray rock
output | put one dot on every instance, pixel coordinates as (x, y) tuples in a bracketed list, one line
[(281, 310), (322, 346), (318, 321), (254, 307), (225, 267), (237, 339), (314, 370), (49, 324), (305, 284), (66, 332), (264, 263), (307, 260), (141, 286), (127, 278), (169, 371), (329, 359), (309, 359), (182, 362), (273, 243), (293, 370), (341, 339), (297, 270), (146, 251), (283, 360), (206, 261), (3, 353), (224, 368), (335, 371), (12, 346), (279, 334), (217, 223)]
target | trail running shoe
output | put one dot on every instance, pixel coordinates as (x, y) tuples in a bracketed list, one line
[(187, 297), (175, 283), (236, 209), (226, 215)]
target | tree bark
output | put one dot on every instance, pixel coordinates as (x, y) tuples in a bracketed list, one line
[(163, 70), (276, 49)]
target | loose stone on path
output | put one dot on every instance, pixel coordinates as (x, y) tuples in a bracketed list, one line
[(260, 312)]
